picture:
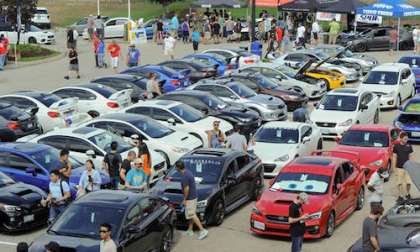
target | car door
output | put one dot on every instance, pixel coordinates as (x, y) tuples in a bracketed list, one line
[(244, 175), (339, 195), (367, 115), (306, 148), (350, 185), (133, 237), (380, 39), (406, 84), (110, 29), (229, 183)]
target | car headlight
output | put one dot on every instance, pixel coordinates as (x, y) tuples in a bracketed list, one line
[(346, 123), (256, 211), (10, 208), (398, 124), (377, 162), (316, 215), (391, 94), (202, 204), (180, 149), (282, 158)]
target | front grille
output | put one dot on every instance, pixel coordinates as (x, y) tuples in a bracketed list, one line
[(269, 167), (50, 36), (326, 124), (159, 166), (277, 219)]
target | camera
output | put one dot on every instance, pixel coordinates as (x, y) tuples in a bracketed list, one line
[(90, 179)]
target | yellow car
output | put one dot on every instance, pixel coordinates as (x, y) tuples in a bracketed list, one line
[(332, 79)]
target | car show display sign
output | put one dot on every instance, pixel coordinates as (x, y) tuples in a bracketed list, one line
[(369, 19)]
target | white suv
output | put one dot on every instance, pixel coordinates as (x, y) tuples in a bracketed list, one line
[(41, 18), (392, 82), (340, 108)]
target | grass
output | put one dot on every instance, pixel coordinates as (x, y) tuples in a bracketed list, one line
[(29, 53)]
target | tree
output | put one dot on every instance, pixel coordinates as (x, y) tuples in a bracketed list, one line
[(28, 8), (164, 3)]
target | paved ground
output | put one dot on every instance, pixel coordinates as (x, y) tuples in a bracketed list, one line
[(233, 234)]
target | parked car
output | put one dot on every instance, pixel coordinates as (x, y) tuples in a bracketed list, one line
[(414, 63), (238, 56), (139, 223), (113, 27), (30, 34), (96, 99), (277, 143), (247, 120), (20, 205), (373, 142), (335, 186), (268, 107), (341, 108), (198, 70), (210, 59), (179, 116), (51, 110), (408, 119), (169, 79), (81, 25), (41, 18), (16, 123), (225, 180), (392, 82)]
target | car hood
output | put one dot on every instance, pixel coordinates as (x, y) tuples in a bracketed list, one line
[(181, 139), (77, 173), (379, 88), (172, 190), (319, 115), (367, 154), (293, 82), (242, 113), (271, 151), (412, 168), (76, 243), (265, 99), (388, 239), (20, 194)]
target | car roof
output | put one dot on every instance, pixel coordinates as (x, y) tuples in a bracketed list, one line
[(196, 93), (219, 153), (414, 99), (314, 165), (390, 67), (82, 132), (114, 198), (158, 103), (128, 77), (126, 117), (23, 147), (371, 127), (284, 124), (347, 91), (32, 94)]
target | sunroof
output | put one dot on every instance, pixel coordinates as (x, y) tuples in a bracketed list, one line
[(83, 130), (313, 161), (346, 91)]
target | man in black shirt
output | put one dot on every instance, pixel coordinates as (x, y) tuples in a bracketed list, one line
[(126, 166), (64, 166), (297, 221), (370, 241), (112, 163), (402, 153)]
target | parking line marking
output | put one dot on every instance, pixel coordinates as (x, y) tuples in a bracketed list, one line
[(8, 243)]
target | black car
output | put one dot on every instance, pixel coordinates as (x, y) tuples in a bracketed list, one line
[(16, 123), (20, 205), (225, 180), (248, 120), (198, 69), (139, 222)]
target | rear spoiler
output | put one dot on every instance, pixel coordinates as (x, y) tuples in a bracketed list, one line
[(352, 156), (118, 94), (27, 138), (66, 102), (185, 73)]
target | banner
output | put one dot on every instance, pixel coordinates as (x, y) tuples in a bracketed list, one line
[(137, 36), (325, 16), (271, 3), (370, 19)]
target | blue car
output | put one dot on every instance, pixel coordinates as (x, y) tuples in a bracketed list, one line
[(173, 79), (212, 59), (31, 163), (408, 119), (414, 63)]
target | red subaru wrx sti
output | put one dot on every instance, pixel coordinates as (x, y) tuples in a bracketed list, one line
[(335, 185)]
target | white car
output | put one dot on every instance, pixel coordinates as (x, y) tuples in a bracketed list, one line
[(340, 108), (313, 90), (236, 56), (277, 143), (53, 111), (41, 18), (170, 143), (83, 139), (113, 27), (179, 116), (392, 82), (29, 35), (96, 99)]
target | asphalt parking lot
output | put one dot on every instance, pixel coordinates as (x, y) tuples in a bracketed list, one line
[(233, 234)]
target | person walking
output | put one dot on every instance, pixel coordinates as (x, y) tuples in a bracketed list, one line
[(101, 54), (271, 44), (58, 196), (297, 221), (300, 36), (190, 200), (91, 26), (370, 241), (71, 40), (159, 31), (333, 33), (236, 141), (126, 166), (90, 180), (316, 29), (402, 152), (133, 56), (393, 40), (152, 87), (169, 46), (73, 64), (136, 178), (185, 27), (3, 55), (375, 186), (64, 166), (174, 26), (114, 51), (215, 136), (196, 38), (106, 244), (95, 45), (416, 39), (112, 163), (99, 26), (216, 32)]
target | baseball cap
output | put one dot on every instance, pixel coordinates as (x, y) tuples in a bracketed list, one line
[(304, 197), (52, 246)]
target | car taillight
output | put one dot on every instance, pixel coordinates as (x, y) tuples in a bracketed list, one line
[(175, 82), (249, 61), (229, 66), (53, 114), (13, 125), (112, 104)]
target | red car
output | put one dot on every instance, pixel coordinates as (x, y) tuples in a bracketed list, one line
[(374, 144), (334, 183)]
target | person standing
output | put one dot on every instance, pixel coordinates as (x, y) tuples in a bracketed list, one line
[(73, 64), (376, 186), (70, 38), (333, 33), (114, 51), (95, 44), (236, 141), (393, 40), (185, 27), (90, 180), (174, 26), (112, 163), (230, 25), (91, 26), (297, 221), (126, 166), (190, 200), (152, 87), (64, 166), (271, 44), (159, 31), (402, 152), (416, 39), (106, 244), (169, 46), (316, 29), (101, 54), (370, 241), (196, 37), (215, 136), (216, 32), (300, 37), (133, 56), (58, 196), (3, 55), (136, 178), (301, 114), (99, 26)]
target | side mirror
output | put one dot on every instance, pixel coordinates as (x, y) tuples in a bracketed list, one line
[(31, 170), (172, 121), (132, 229), (363, 107), (306, 139), (233, 97)]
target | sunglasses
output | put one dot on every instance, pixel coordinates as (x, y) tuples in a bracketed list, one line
[(138, 164), (103, 231)]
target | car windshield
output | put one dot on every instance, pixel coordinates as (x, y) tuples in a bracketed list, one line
[(412, 107), (47, 99), (187, 113), (242, 91), (322, 55), (287, 71), (103, 141), (9, 112), (301, 182), (267, 83), (214, 102), (412, 62), (205, 170), (85, 220), (5, 180), (339, 103), (365, 138), (153, 128), (268, 134), (49, 159), (103, 90), (382, 78), (33, 28)]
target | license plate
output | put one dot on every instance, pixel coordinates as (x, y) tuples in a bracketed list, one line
[(415, 134), (259, 225), (325, 131), (28, 218)]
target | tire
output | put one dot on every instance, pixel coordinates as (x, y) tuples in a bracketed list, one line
[(32, 40), (330, 225), (256, 189), (166, 240), (218, 213), (376, 118), (361, 48), (360, 199), (94, 114), (398, 102), (319, 145)]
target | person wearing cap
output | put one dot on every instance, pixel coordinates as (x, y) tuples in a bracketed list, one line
[(133, 56), (370, 241), (236, 141), (215, 136), (52, 246), (297, 221), (106, 244), (126, 166), (136, 179), (376, 186), (144, 154)]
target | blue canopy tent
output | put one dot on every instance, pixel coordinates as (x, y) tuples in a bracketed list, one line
[(390, 8)]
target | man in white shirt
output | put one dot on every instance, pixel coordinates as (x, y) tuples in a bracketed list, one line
[(236, 141), (416, 39), (169, 46), (315, 32), (376, 186), (300, 37), (106, 244)]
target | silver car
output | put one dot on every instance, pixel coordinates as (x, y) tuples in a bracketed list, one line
[(81, 25)]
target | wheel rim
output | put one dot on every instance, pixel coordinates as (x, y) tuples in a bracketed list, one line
[(220, 213), (167, 241), (330, 228), (361, 199)]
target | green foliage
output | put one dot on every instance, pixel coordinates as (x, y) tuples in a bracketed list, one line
[(28, 8), (33, 51)]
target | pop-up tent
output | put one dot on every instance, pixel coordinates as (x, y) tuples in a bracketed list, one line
[(300, 5), (271, 3), (218, 4), (333, 6)]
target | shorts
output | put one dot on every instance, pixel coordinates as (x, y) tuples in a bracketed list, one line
[(207, 35), (195, 45), (315, 34), (168, 51), (74, 67), (402, 176), (190, 209), (114, 62)]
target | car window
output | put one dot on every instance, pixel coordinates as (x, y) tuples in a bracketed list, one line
[(111, 22), (140, 110), (295, 57), (19, 102), (206, 88), (19, 163), (83, 94), (380, 32), (269, 72), (120, 129), (367, 98), (231, 169), (242, 161), (306, 131), (194, 102), (406, 74), (222, 91), (78, 145), (121, 21), (339, 176), (58, 142), (161, 115), (147, 206), (347, 170), (133, 216), (64, 93)]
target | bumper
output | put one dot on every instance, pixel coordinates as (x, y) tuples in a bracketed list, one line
[(387, 102), (271, 169), (333, 132), (339, 83), (413, 136), (275, 115), (26, 220), (292, 105)]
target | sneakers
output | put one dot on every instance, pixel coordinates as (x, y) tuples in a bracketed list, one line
[(203, 234), (189, 233)]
